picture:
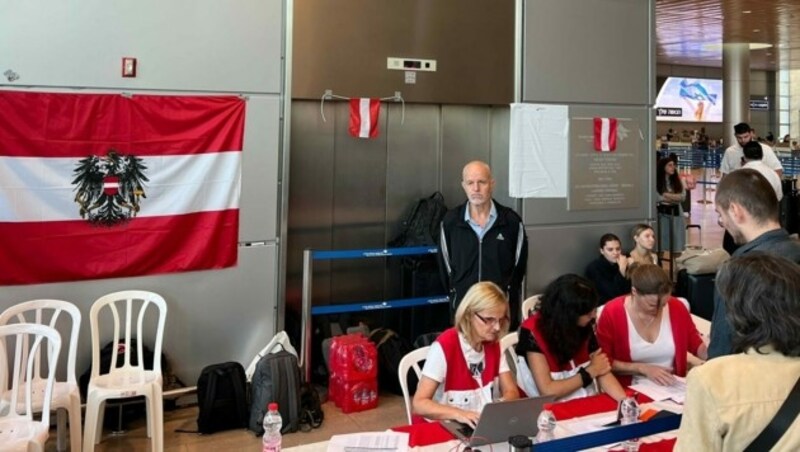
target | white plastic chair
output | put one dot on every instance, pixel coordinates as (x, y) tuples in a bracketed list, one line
[(507, 344), (410, 361), (508, 341), (126, 380), (18, 430), (530, 304), (66, 398)]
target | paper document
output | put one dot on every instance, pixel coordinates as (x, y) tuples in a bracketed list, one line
[(369, 442), (538, 151), (675, 392)]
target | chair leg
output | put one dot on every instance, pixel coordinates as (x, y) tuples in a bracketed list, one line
[(75, 422), (101, 417), (148, 404), (90, 423), (61, 429), (157, 413)]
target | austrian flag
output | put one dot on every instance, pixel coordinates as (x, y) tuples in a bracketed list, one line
[(104, 186), (605, 134), (364, 117)]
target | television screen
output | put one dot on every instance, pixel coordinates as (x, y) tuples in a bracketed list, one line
[(690, 100)]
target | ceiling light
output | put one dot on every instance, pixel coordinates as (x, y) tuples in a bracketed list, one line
[(747, 11), (716, 47)]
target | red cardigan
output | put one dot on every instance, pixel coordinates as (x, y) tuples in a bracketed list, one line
[(612, 333)]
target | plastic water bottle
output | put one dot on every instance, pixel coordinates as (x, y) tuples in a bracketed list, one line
[(629, 409), (546, 422), (272, 429)]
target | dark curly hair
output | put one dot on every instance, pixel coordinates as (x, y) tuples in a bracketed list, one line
[(563, 301)]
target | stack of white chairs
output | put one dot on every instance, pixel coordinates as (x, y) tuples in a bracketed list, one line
[(19, 431), (120, 311), (66, 398)]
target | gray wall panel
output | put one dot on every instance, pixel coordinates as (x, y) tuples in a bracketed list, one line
[(260, 169), (465, 137), (592, 51), (499, 137), (359, 207), (187, 45), (412, 169), (343, 45), (310, 219), (556, 250)]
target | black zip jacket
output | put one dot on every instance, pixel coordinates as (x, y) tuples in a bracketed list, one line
[(501, 257)]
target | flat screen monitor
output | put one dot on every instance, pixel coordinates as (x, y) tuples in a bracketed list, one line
[(690, 100)]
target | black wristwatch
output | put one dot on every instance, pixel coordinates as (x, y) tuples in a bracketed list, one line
[(586, 379)]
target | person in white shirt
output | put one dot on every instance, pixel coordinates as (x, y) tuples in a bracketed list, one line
[(753, 155), (732, 160)]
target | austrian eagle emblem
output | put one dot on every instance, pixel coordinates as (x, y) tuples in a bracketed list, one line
[(109, 188)]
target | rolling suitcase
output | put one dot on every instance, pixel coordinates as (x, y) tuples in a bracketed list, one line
[(699, 290)]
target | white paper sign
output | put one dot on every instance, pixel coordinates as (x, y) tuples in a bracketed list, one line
[(539, 146)]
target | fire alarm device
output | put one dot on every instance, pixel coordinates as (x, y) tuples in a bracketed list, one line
[(128, 67)]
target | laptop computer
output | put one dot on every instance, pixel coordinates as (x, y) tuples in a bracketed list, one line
[(501, 420)]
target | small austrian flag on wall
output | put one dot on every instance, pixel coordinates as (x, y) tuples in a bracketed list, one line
[(605, 134)]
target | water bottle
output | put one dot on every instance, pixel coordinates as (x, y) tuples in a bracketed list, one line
[(546, 422), (630, 415), (272, 429)]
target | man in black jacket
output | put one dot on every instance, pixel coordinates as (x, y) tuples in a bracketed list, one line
[(482, 240)]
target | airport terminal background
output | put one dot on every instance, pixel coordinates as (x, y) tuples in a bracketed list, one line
[(307, 184)]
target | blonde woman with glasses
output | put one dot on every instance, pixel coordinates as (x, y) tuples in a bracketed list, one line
[(464, 363)]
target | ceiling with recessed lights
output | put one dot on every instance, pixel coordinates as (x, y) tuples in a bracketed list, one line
[(692, 32)]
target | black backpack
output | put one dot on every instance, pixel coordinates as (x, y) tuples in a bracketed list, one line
[(311, 414), (422, 224), (222, 398), (391, 349), (276, 379)]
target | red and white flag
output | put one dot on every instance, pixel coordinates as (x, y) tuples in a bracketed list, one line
[(103, 186), (364, 117), (605, 134)]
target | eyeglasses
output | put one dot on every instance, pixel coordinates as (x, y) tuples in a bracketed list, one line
[(493, 321)]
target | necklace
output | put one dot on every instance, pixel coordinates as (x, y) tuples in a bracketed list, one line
[(640, 316)]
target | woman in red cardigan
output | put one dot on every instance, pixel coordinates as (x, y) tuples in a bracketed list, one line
[(647, 333)]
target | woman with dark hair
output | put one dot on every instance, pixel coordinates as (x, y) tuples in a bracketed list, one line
[(608, 271), (557, 350), (730, 400), (648, 333), (671, 193)]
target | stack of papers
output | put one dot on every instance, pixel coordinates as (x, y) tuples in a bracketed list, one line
[(675, 392), (369, 442)]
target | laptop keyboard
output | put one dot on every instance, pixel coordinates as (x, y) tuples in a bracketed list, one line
[(466, 430)]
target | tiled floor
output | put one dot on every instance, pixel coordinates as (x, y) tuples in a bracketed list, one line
[(390, 413)]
